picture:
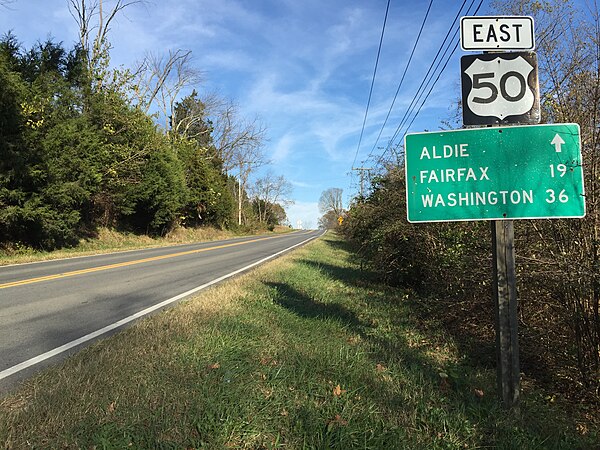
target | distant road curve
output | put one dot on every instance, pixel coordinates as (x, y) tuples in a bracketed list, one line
[(47, 309)]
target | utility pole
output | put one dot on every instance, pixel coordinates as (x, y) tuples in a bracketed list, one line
[(362, 171), (241, 163), (240, 198)]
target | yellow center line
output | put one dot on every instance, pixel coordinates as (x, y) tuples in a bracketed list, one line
[(125, 264)]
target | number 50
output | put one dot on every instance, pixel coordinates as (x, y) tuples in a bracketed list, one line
[(479, 82)]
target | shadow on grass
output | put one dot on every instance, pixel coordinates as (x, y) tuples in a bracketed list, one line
[(306, 307), (350, 276), (480, 348), (383, 347), (338, 243), (479, 351), (393, 346)]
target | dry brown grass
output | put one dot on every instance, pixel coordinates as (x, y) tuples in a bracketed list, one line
[(184, 235), (107, 240)]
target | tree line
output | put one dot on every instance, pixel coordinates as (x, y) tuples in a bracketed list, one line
[(558, 261), (81, 146)]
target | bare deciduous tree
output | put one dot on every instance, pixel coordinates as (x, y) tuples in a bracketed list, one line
[(239, 144), (238, 141), (94, 23), (331, 200), (269, 191), (162, 78), (190, 118)]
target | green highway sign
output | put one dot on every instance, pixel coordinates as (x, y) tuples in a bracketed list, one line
[(512, 172)]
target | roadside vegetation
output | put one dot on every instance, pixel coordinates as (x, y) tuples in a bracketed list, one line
[(107, 240), (81, 149), (310, 351), (558, 261)]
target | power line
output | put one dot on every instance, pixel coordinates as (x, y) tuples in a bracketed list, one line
[(391, 143), (438, 77), (427, 79), (431, 89), (372, 82), (424, 84), (403, 76)]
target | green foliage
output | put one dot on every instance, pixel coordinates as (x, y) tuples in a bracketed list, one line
[(209, 199), (272, 214), (329, 220), (75, 154), (190, 121), (559, 259), (430, 258), (160, 194)]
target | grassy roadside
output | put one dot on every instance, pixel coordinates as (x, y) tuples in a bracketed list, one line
[(108, 240), (306, 352)]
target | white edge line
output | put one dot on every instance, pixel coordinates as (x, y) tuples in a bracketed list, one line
[(69, 345)]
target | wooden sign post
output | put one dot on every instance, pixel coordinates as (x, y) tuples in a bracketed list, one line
[(505, 295), (503, 248)]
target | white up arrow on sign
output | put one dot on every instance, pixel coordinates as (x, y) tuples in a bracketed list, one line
[(557, 142)]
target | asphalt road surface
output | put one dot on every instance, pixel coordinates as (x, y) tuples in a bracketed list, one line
[(51, 309)]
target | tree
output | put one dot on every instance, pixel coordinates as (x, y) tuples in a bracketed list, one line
[(190, 120), (269, 191), (278, 215), (209, 198), (331, 208), (228, 140), (91, 16), (13, 164), (329, 220), (79, 152), (160, 79), (50, 174), (161, 193), (331, 200), (557, 260), (238, 141), (560, 259)]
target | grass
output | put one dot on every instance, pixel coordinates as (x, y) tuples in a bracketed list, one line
[(108, 240), (306, 352)]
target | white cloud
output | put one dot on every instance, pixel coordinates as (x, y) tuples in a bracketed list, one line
[(302, 184), (282, 149), (227, 60)]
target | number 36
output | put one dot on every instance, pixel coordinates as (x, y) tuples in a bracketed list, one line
[(562, 196)]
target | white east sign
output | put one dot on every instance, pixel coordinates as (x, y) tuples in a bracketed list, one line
[(484, 33)]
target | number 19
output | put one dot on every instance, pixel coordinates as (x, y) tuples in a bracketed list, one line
[(560, 170)]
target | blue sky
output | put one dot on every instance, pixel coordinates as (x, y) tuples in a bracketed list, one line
[(303, 66)]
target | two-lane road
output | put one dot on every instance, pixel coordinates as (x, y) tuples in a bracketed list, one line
[(49, 308)]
